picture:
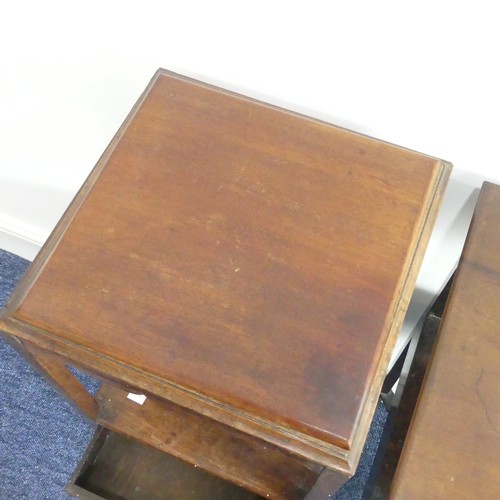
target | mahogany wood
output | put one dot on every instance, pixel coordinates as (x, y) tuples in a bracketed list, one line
[(243, 261), (117, 467), (452, 449), (228, 453)]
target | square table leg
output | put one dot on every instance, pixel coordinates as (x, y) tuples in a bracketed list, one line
[(54, 369)]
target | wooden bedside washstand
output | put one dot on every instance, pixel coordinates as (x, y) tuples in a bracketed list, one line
[(247, 269)]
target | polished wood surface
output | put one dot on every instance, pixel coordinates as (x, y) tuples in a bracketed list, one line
[(452, 449), (243, 261)]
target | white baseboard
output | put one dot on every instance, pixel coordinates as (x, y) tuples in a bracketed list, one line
[(19, 238)]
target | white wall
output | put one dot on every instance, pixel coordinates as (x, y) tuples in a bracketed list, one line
[(420, 74)]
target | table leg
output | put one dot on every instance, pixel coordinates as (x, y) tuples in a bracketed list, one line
[(53, 367), (328, 482)]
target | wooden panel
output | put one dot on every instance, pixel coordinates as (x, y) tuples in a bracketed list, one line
[(117, 467), (452, 449), (217, 448), (245, 261)]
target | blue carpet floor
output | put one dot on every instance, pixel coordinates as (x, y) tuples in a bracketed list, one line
[(42, 438)]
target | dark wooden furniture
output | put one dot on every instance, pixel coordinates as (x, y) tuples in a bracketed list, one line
[(452, 449), (245, 267), (116, 466), (401, 403)]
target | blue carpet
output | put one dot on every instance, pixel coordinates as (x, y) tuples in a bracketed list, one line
[(42, 438)]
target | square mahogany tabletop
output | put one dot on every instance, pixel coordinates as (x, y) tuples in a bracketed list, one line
[(244, 261)]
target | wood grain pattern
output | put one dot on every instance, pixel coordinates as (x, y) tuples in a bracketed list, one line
[(452, 449), (241, 260), (225, 452)]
